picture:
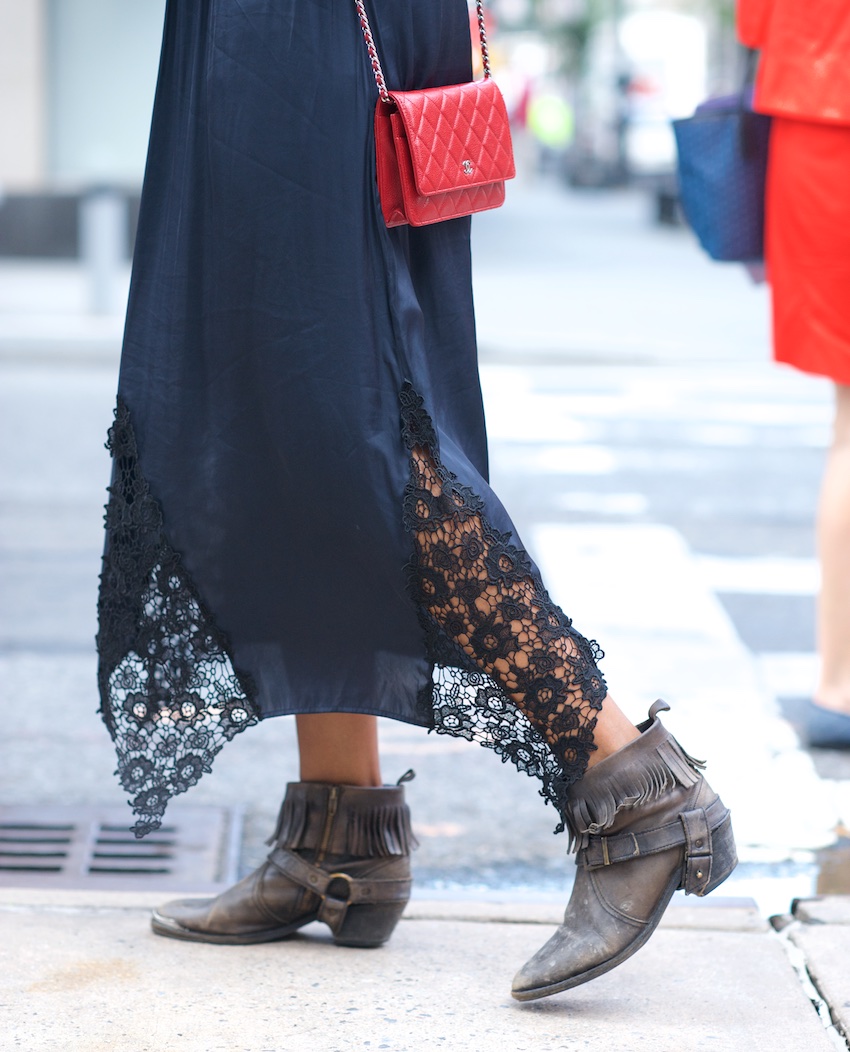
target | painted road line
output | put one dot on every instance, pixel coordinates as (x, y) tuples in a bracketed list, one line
[(760, 576)]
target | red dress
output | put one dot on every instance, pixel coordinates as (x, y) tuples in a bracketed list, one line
[(804, 82)]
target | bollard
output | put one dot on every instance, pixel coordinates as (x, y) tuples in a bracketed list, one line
[(103, 244)]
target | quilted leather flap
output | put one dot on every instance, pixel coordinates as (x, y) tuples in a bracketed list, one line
[(459, 136)]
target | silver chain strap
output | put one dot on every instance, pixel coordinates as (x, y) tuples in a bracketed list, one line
[(482, 33), (373, 51)]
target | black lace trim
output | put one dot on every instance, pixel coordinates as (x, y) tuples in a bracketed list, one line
[(509, 670), (170, 695)]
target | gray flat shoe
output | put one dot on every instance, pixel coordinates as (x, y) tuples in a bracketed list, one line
[(826, 728)]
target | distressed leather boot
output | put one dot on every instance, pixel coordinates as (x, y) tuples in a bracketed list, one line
[(645, 822), (340, 854)]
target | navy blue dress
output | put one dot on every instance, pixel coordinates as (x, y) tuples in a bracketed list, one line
[(256, 549)]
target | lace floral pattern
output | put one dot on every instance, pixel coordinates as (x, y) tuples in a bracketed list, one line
[(170, 695), (510, 671)]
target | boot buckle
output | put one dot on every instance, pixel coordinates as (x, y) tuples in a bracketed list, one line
[(623, 853), (333, 908)]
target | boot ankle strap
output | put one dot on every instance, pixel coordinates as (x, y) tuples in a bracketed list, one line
[(691, 828), (347, 890)]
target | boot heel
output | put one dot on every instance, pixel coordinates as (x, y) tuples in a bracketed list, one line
[(724, 857), (369, 926)]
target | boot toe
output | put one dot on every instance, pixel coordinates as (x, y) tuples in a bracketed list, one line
[(544, 970), (572, 957), (180, 917), (183, 911), (596, 936)]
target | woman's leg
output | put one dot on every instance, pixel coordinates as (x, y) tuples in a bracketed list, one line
[(340, 748), (834, 544)]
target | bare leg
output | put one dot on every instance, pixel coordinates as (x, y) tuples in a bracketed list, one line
[(834, 544), (613, 730), (340, 748)]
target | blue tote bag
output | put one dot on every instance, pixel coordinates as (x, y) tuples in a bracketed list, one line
[(722, 171)]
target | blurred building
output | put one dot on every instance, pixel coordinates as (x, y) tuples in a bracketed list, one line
[(77, 79), (624, 69)]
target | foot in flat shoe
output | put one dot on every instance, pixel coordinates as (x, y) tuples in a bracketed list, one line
[(645, 822), (826, 728)]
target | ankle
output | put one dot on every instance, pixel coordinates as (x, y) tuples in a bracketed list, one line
[(340, 776), (612, 732), (611, 746), (339, 748)]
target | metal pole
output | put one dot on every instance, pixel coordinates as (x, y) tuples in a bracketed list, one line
[(103, 244)]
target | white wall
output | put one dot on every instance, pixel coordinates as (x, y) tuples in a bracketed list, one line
[(22, 90), (102, 64)]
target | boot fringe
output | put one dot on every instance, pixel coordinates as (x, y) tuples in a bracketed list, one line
[(377, 833), (592, 810), (686, 767), (381, 832), (291, 821)]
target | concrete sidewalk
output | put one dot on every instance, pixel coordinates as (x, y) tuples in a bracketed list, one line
[(81, 972)]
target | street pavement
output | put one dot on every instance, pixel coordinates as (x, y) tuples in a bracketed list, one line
[(82, 973), (663, 473)]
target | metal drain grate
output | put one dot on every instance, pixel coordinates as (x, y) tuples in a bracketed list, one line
[(92, 847)]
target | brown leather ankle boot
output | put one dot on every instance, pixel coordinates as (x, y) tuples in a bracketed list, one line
[(340, 854), (645, 822)]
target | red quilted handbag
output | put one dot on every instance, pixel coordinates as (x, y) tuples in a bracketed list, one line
[(440, 152)]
